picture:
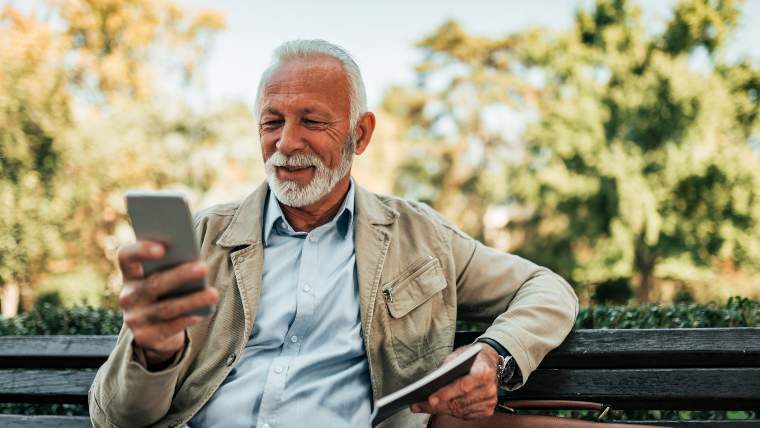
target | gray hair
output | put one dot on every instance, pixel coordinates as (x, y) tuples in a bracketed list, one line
[(307, 49)]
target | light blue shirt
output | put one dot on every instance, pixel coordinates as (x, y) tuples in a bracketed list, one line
[(305, 363)]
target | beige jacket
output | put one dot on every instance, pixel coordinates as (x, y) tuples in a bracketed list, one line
[(436, 275)]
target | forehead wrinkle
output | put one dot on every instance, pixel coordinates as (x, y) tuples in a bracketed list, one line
[(310, 79), (280, 108)]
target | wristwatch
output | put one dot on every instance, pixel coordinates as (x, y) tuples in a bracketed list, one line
[(505, 370)]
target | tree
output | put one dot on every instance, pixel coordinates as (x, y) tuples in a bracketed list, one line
[(636, 163), (67, 87), (34, 109)]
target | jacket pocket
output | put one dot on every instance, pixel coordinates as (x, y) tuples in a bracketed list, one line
[(419, 323)]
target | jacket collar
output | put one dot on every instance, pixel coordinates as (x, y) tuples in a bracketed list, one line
[(246, 226), (370, 208)]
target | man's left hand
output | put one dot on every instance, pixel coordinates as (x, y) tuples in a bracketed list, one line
[(472, 396)]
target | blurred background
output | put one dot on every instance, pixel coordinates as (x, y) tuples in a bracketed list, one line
[(616, 142)]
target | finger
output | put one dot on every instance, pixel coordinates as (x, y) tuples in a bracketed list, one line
[(130, 294), (455, 389), (481, 413), (132, 270), (464, 403), (160, 283), (171, 308), (483, 372), (135, 253), (421, 407), (476, 402), (480, 409), (155, 337)]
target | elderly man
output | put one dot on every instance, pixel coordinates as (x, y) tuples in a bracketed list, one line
[(327, 296)]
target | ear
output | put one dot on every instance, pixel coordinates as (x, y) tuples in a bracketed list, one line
[(364, 130)]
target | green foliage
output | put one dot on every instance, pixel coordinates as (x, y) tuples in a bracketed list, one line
[(83, 118), (737, 312), (624, 159), (51, 319)]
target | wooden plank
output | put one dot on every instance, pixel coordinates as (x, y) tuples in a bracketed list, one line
[(684, 389), (55, 351), (687, 389), (687, 347), (45, 385), (24, 421)]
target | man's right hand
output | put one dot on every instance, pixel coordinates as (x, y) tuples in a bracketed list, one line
[(158, 326)]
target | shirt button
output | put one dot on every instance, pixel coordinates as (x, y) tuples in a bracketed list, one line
[(306, 288), (278, 369), (312, 238), (230, 359), (294, 339)]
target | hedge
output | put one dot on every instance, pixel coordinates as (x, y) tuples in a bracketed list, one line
[(49, 319)]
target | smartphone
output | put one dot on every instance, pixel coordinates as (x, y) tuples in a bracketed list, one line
[(164, 217)]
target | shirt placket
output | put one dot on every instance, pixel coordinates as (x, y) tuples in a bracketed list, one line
[(302, 323)]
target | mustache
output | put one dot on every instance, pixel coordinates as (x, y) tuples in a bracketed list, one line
[(297, 160)]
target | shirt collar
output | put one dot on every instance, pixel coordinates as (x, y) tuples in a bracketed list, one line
[(343, 220)]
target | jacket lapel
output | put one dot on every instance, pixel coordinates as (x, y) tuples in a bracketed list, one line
[(244, 231)]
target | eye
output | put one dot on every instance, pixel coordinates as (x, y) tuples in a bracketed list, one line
[(312, 122), (269, 124)]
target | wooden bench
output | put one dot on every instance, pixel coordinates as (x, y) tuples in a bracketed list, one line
[(687, 369)]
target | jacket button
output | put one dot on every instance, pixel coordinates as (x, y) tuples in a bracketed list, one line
[(230, 359)]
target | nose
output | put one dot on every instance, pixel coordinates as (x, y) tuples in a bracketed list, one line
[(291, 139)]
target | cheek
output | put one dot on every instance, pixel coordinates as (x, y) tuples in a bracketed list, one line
[(268, 146)]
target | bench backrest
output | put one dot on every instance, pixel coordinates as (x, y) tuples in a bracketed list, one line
[(690, 369)]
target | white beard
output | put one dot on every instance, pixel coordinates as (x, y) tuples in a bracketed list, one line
[(295, 195)]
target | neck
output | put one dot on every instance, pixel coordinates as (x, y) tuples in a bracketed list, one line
[(309, 217)]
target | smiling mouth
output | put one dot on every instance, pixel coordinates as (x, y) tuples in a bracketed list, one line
[(295, 168)]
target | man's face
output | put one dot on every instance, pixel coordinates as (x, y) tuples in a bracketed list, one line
[(304, 129)]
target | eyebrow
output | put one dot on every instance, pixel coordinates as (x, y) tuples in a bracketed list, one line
[(270, 110), (305, 110)]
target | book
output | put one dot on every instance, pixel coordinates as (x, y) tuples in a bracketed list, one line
[(426, 386)]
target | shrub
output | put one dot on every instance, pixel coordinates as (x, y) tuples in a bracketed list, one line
[(51, 319)]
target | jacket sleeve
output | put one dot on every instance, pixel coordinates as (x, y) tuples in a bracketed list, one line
[(532, 308), (125, 394)]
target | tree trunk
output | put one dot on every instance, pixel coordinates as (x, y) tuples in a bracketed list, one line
[(646, 282), (644, 263), (10, 295)]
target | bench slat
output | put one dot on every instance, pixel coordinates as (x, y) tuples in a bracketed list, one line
[(23, 421), (717, 389), (652, 348), (55, 351), (686, 388), (688, 347), (45, 386)]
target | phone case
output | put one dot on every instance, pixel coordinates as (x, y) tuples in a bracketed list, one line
[(165, 217)]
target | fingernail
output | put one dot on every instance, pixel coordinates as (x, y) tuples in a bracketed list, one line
[(155, 250), (199, 267), (434, 401)]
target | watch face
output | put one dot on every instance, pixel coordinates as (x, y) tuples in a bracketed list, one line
[(508, 370)]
